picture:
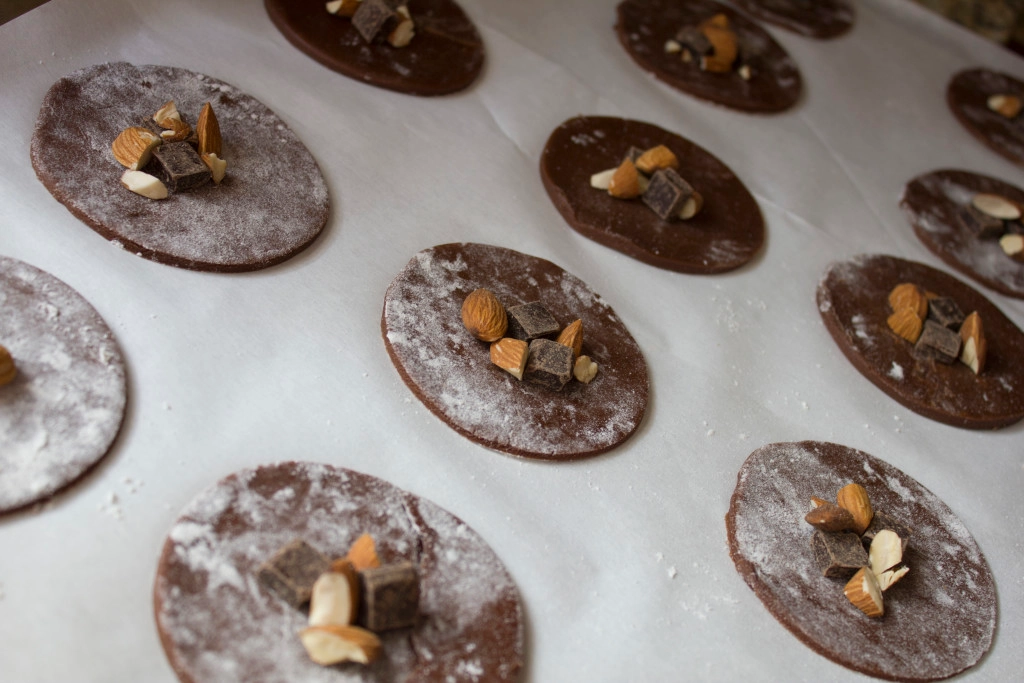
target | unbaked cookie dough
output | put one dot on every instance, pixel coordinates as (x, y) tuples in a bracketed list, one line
[(644, 26), (727, 233), (931, 203), (63, 410), (968, 95), (445, 55), (812, 18), (272, 204), (939, 620), (853, 302), (451, 372), (218, 623)]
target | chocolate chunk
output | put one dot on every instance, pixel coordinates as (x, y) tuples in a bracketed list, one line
[(1013, 227), (943, 344), (549, 364), (529, 321), (667, 193), (292, 570), (633, 154), (883, 521), (692, 38), (373, 16), (838, 555), (180, 166), (945, 312), (390, 596), (980, 224)]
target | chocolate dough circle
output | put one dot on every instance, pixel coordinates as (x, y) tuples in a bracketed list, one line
[(853, 302), (217, 622), (726, 234), (451, 371), (644, 26), (271, 205), (820, 19), (939, 619), (967, 96), (64, 409), (931, 202), (445, 55)]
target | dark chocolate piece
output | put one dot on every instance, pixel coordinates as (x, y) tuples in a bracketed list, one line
[(549, 364), (292, 570), (882, 521), (944, 311), (667, 193), (529, 321), (390, 597), (944, 342), (980, 224), (694, 40), (838, 555), (373, 16), (180, 166), (1013, 227), (633, 154)]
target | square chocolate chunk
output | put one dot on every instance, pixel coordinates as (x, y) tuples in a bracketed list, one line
[(529, 321), (882, 521), (838, 555), (944, 342), (667, 193), (390, 596), (945, 312), (180, 166), (374, 16), (292, 570), (979, 224), (549, 364)]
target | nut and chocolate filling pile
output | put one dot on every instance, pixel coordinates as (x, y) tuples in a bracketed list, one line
[(377, 20), (651, 175), (937, 327), (715, 47)]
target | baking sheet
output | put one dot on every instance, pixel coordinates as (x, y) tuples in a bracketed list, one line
[(621, 559)]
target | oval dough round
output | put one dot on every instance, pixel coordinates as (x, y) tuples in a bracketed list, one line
[(820, 19), (445, 55), (644, 26), (65, 407), (967, 96), (727, 233), (939, 619), (217, 622), (931, 203), (853, 302), (451, 371), (271, 205)]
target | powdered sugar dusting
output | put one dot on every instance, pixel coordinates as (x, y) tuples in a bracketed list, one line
[(64, 408), (272, 203), (451, 371), (219, 624), (939, 620)]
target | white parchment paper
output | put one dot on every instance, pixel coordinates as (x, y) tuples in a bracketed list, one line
[(621, 560)]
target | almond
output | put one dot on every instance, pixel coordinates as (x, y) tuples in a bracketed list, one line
[(208, 131), (864, 592), (405, 31), (343, 8), (177, 130), (363, 553), (134, 147), (1006, 105), (996, 206), (625, 182), (886, 551), (1013, 246), (817, 502), (854, 498), (333, 644), (218, 167), (584, 370), (692, 206), (909, 295), (656, 158), (7, 369), (144, 184), (331, 601), (165, 113), (600, 181), (510, 355), (830, 517), (723, 40), (484, 316), (887, 578), (974, 349), (906, 324), (572, 336)]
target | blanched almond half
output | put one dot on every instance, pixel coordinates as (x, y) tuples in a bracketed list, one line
[(600, 181), (886, 551), (330, 602), (218, 167), (144, 184), (327, 645), (996, 206)]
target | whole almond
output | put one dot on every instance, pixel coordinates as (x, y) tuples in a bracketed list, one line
[(909, 295), (656, 158), (208, 132), (572, 336), (625, 182), (484, 316), (830, 517), (854, 498), (906, 323), (7, 369)]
